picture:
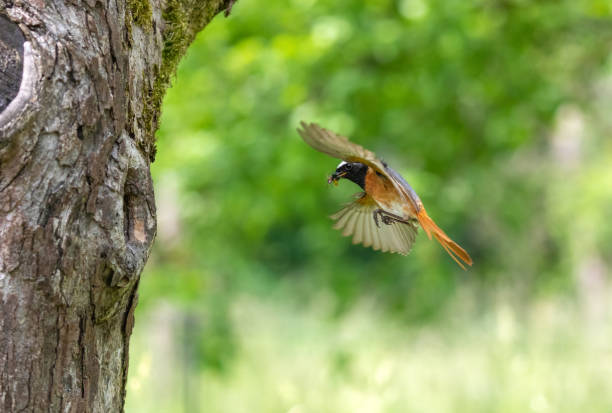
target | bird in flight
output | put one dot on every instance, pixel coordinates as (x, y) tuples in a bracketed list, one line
[(387, 214)]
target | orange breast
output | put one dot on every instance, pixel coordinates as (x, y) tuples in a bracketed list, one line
[(384, 193)]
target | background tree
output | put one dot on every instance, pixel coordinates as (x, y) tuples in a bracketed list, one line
[(77, 213)]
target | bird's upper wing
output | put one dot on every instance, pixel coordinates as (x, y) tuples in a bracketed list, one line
[(326, 141), (340, 147), (357, 219)]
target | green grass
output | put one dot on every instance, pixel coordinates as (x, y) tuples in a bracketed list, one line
[(506, 358)]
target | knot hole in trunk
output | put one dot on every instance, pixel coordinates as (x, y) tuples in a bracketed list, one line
[(11, 62)]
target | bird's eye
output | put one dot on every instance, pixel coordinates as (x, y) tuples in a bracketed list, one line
[(348, 166)]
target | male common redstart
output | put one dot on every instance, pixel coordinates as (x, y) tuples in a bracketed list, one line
[(387, 198)]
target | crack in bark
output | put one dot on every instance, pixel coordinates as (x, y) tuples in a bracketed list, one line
[(83, 348), (52, 370), (14, 178), (29, 389), (127, 325)]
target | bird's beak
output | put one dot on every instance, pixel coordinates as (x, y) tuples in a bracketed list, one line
[(335, 177)]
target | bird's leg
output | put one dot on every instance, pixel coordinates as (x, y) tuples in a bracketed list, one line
[(388, 218), (395, 218)]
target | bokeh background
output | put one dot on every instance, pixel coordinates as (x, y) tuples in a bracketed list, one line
[(499, 115)]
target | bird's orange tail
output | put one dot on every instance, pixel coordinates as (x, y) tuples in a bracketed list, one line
[(453, 249)]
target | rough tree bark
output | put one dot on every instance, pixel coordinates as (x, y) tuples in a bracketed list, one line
[(81, 83)]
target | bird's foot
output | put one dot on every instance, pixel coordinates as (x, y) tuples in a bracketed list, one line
[(388, 218)]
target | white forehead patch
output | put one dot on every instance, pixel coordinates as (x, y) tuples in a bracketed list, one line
[(341, 164)]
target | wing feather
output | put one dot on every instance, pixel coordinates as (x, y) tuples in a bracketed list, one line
[(357, 219), (359, 227), (367, 231), (349, 229), (377, 244), (361, 237), (335, 145), (397, 237), (340, 217)]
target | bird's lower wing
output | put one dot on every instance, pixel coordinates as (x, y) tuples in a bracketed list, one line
[(357, 219)]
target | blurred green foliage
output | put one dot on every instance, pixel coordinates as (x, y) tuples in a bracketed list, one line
[(459, 96), (497, 113)]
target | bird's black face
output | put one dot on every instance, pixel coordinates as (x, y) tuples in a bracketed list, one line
[(353, 171)]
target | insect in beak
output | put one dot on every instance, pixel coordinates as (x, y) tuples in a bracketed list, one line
[(335, 177)]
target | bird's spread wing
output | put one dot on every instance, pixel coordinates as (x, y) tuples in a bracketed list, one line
[(326, 141), (357, 219), (332, 144)]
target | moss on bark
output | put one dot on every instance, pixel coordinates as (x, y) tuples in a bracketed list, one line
[(141, 13), (183, 19)]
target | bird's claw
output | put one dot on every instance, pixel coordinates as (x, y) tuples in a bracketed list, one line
[(386, 219)]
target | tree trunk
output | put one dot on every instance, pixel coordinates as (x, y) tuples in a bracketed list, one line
[(81, 84)]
